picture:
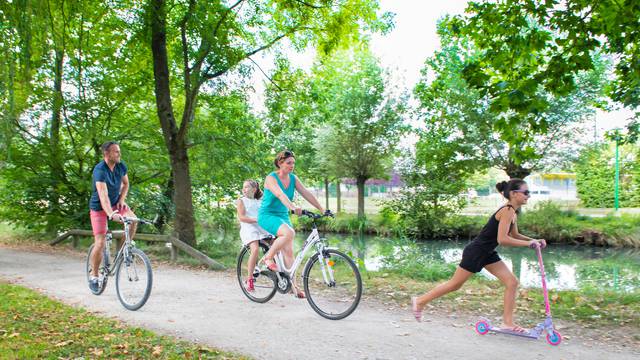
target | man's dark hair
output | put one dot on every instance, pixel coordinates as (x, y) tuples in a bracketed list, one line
[(105, 147)]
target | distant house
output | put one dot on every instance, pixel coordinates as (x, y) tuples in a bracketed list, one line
[(556, 185)]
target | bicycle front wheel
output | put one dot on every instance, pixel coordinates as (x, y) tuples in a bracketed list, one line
[(134, 279), (333, 286)]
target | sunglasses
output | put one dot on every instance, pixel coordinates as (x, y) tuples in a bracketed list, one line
[(525, 192)]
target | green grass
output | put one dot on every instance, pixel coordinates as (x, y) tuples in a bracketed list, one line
[(34, 326)]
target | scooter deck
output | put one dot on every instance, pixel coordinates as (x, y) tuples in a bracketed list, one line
[(525, 334)]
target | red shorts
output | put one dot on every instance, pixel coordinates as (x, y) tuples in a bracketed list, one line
[(99, 221)]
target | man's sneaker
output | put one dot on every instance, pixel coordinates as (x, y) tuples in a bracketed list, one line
[(94, 285), (250, 283)]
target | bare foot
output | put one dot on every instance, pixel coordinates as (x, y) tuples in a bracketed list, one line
[(417, 311)]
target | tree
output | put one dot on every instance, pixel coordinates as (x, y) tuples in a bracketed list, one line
[(595, 171), (517, 148), (528, 45), (200, 42), (71, 81), (366, 118)]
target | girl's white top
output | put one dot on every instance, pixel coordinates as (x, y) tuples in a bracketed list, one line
[(251, 231)]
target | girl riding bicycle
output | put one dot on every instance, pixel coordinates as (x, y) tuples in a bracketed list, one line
[(502, 228), (250, 232), (273, 216)]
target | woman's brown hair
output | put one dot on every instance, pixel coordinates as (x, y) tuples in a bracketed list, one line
[(282, 156), (505, 187)]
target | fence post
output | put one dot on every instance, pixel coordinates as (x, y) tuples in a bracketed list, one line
[(174, 249)]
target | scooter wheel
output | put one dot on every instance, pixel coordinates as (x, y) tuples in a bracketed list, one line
[(554, 339), (482, 327)]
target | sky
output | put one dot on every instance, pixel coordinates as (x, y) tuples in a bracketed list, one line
[(408, 45)]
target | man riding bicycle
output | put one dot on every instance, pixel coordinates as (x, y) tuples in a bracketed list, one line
[(110, 185)]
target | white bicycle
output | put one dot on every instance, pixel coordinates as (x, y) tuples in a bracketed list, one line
[(331, 280)]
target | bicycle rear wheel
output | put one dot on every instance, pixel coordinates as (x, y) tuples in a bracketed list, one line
[(134, 279), (102, 272), (333, 290), (264, 281)]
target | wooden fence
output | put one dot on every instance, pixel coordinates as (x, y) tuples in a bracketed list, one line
[(175, 244)]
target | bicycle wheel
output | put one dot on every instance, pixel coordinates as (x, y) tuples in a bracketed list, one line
[(102, 273), (134, 279), (264, 281), (335, 299)]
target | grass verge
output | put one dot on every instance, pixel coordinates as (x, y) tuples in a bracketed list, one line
[(34, 326)]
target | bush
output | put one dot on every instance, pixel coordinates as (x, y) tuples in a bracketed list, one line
[(595, 176), (548, 221)]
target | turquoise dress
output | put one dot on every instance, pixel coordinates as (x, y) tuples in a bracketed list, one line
[(273, 213)]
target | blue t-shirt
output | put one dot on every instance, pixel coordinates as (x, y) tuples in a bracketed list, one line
[(113, 179)]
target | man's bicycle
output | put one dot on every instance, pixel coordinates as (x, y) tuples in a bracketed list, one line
[(331, 280), (130, 266)]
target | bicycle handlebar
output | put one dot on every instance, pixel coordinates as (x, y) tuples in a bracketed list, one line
[(313, 215), (138, 220)]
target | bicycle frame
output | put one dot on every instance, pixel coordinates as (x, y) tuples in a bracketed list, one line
[(122, 253), (312, 240)]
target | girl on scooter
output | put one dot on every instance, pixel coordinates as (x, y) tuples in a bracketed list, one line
[(501, 229)]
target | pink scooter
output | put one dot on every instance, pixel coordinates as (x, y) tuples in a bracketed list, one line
[(483, 325)]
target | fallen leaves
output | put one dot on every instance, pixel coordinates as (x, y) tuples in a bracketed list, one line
[(64, 343), (157, 350)]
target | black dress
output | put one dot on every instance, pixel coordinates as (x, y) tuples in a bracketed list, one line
[(481, 251)]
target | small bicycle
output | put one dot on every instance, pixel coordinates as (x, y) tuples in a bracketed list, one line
[(331, 280), (131, 267)]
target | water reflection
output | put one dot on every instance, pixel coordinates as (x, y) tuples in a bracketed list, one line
[(567, 267)]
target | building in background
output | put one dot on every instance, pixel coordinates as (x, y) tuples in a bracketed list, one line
[(556, 185)]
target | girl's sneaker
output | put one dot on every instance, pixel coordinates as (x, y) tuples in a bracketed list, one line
[(250, 284)]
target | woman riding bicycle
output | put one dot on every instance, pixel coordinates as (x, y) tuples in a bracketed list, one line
[(273, 216)]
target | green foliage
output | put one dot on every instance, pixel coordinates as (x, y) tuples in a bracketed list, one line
[(493, 137), (532, 44), (595, 172), (77, 74), (75, 85), (365, 118)]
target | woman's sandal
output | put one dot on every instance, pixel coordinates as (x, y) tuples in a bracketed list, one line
[(270, 264), (414, 308)]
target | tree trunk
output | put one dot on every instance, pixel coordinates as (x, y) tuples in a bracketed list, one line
[(516, 170), (338, 196), (55, 162), (174, 140), (185, 222), (360, 183), (326, 193), (165, 208)]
